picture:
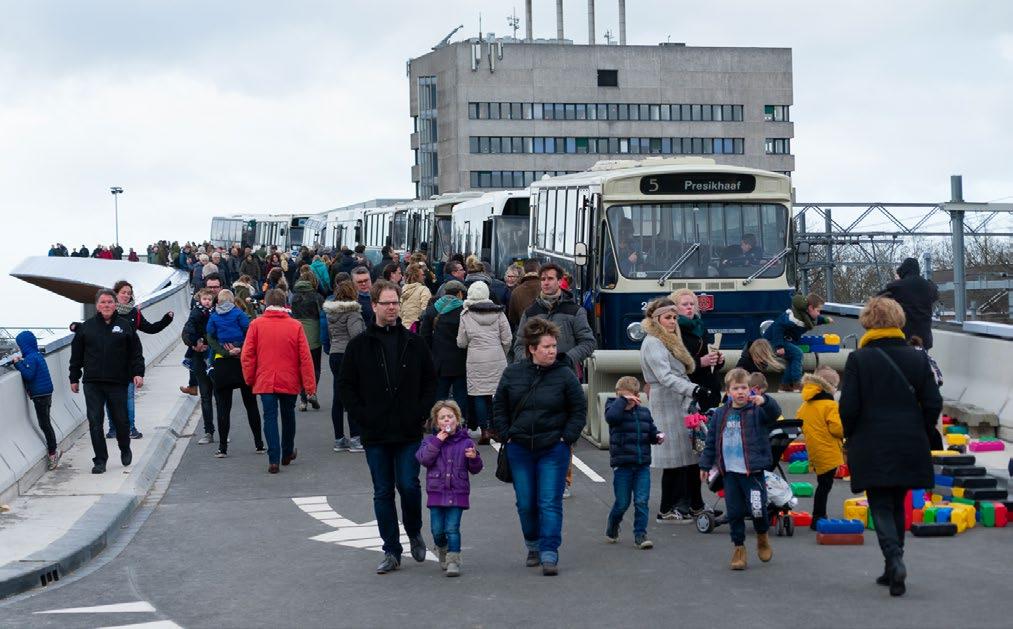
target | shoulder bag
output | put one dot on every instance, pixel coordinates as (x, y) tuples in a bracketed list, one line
[(503, 472)]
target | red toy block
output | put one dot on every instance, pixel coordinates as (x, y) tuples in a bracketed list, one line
[(792, 449), (801, 518), (842, 471), (907, 510), (1001, 515), (840, 539), (947, 420), (917, 515)]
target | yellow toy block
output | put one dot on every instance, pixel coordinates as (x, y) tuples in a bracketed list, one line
[(937, 499), (944, 453), (965, 512), (956, 439), (857, 500), (831, 339), (958, 492), (856, 512)]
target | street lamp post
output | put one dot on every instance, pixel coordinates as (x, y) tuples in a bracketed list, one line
[(116, 190)]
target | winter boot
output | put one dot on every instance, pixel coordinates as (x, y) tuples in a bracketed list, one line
[(763, 549), (442, 552), (453, 564), (739, 558), (898, 573)]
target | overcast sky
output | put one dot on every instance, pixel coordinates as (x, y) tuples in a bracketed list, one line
[(198, 108)]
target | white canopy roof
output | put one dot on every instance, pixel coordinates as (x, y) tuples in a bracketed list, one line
[(79, 278)]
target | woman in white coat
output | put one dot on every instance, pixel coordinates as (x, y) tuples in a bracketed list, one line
[(666, 364), (485, 333)]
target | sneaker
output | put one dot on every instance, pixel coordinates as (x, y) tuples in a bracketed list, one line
[(550, 569), (566, 492), (355, 445), (643, 543), (533, 560), (135, 434), (126, 457), (206, 439), (302, 405), (341, 445), (312, 399), (53, 461), (98, 468), (418, 547), (673, 517), (261, 450), (221, 455), (390, 563), (111, 434), (612, 532)]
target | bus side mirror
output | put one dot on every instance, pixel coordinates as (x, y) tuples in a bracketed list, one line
[(580, 254), (802, 253)]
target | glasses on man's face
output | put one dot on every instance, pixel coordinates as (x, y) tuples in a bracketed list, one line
[(388, 304)]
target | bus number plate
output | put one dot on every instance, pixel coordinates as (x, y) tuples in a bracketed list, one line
[(706, 302)]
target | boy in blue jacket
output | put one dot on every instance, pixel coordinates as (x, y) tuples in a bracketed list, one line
[(39, 383), (785, 334), (631, 433), (738, 448)]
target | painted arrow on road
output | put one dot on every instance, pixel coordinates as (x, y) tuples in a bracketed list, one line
[(363, 536)]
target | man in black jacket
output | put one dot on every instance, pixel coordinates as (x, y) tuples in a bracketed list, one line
[(915, 295), (194, 337), (388, 386), (106, 349)]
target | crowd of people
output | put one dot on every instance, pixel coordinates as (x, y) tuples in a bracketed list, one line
[(102, 252), (429, 364)]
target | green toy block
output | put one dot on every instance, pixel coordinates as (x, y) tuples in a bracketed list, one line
[(965, 501), (802, 489), (988, 439), (870, 524), (798, 467), (954, 429), (929, 515), (988, 514), (804, 348)]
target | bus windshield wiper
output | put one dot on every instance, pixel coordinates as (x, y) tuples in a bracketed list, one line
[(678, 263), (766, 265)]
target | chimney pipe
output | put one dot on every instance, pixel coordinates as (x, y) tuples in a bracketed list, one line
[(622, 22), (590, 22), (527, 20), (559, 19)]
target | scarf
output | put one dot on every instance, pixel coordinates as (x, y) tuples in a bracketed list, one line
[(672, 341), (880, 333), (224, 307), (124, 309), (693, 325), (550, 300), (447, 303)]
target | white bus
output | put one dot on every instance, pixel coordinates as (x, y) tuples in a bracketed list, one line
[(494, 227)]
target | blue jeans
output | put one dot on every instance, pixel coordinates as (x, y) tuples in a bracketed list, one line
[(793, 371), (482, 404), (539, 479), (460, 386), (271, 402), (394, 465), (631, 481), (130, 409), (745, 496), (446, 525)]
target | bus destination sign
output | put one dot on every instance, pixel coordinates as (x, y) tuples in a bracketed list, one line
[(697, 183)]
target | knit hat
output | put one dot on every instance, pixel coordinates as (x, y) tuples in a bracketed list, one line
[(478, 291)]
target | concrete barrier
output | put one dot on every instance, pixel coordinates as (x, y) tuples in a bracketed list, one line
[(23, 449)]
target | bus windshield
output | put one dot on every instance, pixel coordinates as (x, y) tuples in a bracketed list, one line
[(721, 239)]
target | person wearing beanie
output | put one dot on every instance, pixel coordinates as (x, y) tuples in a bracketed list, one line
[(915, 295), (785, 334), (485, 333)]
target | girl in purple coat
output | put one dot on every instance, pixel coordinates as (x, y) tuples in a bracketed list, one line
[(448, 456)]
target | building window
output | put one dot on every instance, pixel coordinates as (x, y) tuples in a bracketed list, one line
[(426, 157), (608, 78), (473, 111), (775, 113), (777, 146)]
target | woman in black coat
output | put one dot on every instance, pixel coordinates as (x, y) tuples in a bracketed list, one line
[(698, 341), (538, 412), (889, 406), (439, 325)]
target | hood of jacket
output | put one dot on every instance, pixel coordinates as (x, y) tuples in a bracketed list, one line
[(447, 303), (483, 307), (799, 312), (303, 286), (672, 341), (242, 286), (27, 343), (224, 307), (337, 307), (813, 386), (908, 267)]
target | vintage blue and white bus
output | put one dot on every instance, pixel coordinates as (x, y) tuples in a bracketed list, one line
[(494, 227), (630, 231)]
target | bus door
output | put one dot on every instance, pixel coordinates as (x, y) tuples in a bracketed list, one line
[(583, 234)]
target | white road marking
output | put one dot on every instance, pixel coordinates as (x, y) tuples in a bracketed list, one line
[(347, 533), (118, 608), (157, 624), (582, 466)]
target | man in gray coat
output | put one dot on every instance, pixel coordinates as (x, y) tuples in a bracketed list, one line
[(576, 338)]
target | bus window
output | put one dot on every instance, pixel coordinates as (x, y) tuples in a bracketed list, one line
[(562, 218), (570, 231), (609, 272), (399, 230)]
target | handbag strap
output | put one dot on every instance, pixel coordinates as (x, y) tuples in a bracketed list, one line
[(524, 400), (897, 370)]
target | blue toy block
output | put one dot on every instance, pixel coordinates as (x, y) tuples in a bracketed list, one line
[(801, 455), (836, 526), (917, 499), (944, 481), (943, 514), (825, 349)]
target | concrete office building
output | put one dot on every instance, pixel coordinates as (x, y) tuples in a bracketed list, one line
[(500, 112)]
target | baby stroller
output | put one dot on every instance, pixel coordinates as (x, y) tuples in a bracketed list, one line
[(780, 500)]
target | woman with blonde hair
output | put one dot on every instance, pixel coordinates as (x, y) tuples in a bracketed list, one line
[(699, 341), (759, 356), (667, 365), (415, 296)]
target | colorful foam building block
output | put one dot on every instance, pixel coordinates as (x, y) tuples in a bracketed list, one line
[(958, 449), (843, 471), (986, 446), (916, 516), (964, 516), (917, 498), (929, 515), (981, 493), (795, 446), (962, 470), (840, 539), (801, 518), (957, 440), (831, 339), (798, 467), (950, 457), (957, 491), (937, 498), (947, 420), (802, 489), (988, 514), (954, 429), (835, 526), (1001, 515), (943, 480), (943, 514), (934, 529), (976, 482), (802, 455)]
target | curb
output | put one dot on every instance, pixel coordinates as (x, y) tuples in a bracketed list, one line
[(100, 525)]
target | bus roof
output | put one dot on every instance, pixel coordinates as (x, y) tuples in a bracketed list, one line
[(611, 170)]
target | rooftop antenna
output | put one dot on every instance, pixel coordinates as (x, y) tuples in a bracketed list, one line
[(446, 40), (514, 22), (479, 26), (608, 37)]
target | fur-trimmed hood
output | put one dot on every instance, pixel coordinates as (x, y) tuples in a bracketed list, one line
[(671, 340), (813, 385), (336, 307)]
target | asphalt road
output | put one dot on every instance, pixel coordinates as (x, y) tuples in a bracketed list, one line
[(228, 547)]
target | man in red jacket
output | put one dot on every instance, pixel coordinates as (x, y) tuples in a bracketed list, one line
[(277, 365)]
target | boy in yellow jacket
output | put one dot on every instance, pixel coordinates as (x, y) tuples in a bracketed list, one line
[(824, 434)]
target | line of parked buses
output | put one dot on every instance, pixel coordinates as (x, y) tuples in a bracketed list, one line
[(626, 231)]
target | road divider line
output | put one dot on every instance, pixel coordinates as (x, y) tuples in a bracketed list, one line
[(582, 466)]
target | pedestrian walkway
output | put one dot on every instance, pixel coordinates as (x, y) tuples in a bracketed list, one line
[(67, 514)]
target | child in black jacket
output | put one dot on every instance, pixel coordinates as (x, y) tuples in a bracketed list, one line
[(631, 433)]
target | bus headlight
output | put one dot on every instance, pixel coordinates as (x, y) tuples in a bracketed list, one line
[(635, 331)]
